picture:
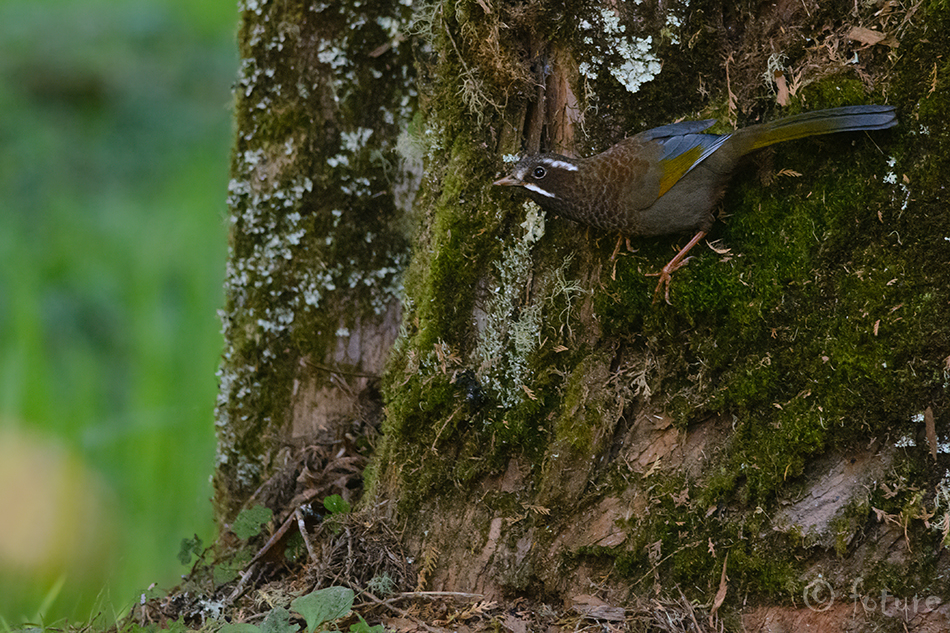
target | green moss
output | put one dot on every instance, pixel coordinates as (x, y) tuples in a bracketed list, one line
[(683, 543), (823, 324), (578, 425), (769, 339), (847, 524), (841, 89), (817, 328)]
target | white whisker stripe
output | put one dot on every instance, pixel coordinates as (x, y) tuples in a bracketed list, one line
[(560, 164), (539, 190)]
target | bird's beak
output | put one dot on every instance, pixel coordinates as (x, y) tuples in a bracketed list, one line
[(507, 181)]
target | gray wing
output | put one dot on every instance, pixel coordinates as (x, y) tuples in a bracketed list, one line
[(677, 129)]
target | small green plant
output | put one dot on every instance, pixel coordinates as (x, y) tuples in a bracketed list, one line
[(223, 574), (363, 627), (381, 585), (240, 627), (323, 605), (277, 621), (248, 523), (335, 504), (316, 608), (295, 547), (189, 547)]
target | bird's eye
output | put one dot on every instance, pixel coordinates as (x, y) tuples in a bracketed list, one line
[(539, 173)]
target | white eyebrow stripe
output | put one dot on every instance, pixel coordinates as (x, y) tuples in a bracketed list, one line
[(532, 187), (560, 164)]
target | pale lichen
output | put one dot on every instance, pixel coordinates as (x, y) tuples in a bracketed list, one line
[(509, 328), (891, 178), (629, 59), (941, 512)]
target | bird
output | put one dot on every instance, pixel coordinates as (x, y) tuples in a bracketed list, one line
[(669, 179)]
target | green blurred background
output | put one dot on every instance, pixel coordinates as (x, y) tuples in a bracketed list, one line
[(115, 128)]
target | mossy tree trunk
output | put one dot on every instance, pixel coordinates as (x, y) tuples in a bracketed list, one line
[(319, 201), (547, 427)]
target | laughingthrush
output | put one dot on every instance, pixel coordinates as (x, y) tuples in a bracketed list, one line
[(668, 179)]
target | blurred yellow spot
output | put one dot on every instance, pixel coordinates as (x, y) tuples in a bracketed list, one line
[(56, 519)]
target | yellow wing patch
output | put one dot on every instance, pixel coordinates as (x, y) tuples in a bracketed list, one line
[(675, 168)]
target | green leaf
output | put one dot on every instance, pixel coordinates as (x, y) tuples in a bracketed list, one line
[(323, 605), (248, 523), (295, 547), (223, 574), (239, 627), (278, 621), (176, 626), (188, 547), (363, 627), (381, 585), (336, 504)]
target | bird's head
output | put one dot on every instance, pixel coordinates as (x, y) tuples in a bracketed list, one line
[(550, 179)]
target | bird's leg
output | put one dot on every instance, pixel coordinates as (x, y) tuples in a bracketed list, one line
[(622, 239), (675, 264), (613, 255)]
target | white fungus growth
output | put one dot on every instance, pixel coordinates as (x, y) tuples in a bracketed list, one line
[(254, 6), (673, 26), (256, 33), (891, 178), (905, 441), (356, 140), (509, 328), (637, 64), (391, 26)]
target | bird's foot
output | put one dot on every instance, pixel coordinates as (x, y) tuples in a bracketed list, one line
[(621, 238), (613, 256), (675, 264), (665, 277)]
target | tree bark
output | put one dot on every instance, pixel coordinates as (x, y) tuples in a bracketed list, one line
[(319, 208), (547, 428)]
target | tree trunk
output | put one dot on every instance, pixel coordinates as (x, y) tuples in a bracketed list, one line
[(319, 207), (773, 433)]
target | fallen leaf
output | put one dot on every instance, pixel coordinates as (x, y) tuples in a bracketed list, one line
[(781, 87), (721, 594), (931, 431), (865, 36), (596, 609), (514, 624)]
